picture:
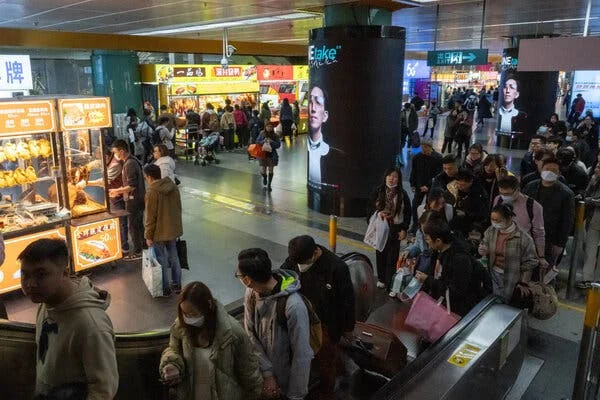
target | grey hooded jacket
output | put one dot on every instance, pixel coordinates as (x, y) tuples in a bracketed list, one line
[(283, 353)]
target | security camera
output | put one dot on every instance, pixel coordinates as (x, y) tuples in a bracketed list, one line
[(231, 50), (224, 63)]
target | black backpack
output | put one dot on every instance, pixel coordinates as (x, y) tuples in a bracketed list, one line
[(482, 278)]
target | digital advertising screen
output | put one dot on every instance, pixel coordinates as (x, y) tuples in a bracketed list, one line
[(354, 103), (587, 83)]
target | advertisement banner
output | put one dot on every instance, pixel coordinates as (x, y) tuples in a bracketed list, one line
[(233, 73), (96, 243), (10, 270), (354, 87), (587, 83), (525, 99), (25, 117), (90, 113), (15, 73), (416, 69), (301, 72), (275, 72)]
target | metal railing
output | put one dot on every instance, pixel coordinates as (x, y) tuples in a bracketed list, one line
[(577, 238), (587, 377)]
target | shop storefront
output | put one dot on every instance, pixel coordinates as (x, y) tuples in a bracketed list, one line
[(278, 82), (53, 181), (475, 77)]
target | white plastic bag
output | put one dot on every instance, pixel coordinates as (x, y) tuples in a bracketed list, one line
[(152, 272), (377, 232), (266, 147)]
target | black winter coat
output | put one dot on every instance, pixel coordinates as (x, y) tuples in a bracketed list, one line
[(402, 205), (424, 168)]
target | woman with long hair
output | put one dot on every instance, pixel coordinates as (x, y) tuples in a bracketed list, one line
[(271, 158), (392, 203), (209, 354)]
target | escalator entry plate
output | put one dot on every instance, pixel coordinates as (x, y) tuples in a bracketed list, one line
[(464, 355)]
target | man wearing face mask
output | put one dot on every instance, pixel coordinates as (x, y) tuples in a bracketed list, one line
[(558, 203), (326, 283), (529, 214), (283, 350)]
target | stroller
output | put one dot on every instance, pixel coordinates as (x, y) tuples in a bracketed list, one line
[(206, 149)]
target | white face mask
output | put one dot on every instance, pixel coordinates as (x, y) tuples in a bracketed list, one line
[(305, 267), (499, 226), (391, 186), (549, 176), (198, 322), (570, 138)]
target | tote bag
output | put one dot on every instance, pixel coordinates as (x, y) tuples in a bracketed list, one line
[(429, 317), (152, 272), (377, 232)]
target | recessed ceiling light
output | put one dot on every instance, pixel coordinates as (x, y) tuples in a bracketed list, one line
[(227, 24)]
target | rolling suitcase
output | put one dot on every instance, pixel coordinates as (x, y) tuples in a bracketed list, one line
[(377, 349)]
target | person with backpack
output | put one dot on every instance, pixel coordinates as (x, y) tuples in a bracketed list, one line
[(276, 318), (163, 135), (241, 124), (510, 251), (325, 282), (256, 126), (143, 136), (529, 214), (228, 127)]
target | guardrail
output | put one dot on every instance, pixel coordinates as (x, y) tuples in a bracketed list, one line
[(587, 377)]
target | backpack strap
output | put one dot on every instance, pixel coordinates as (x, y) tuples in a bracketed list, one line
[(280, 311)]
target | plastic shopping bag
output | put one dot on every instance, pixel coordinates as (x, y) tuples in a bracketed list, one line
[(377, 232), (401, 279), (152, 272), (429, 317)]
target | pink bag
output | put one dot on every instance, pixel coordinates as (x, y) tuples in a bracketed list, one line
[(429, 317)]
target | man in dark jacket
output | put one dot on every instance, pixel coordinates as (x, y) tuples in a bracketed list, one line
[(528, 163), (457, 268), (558, 203), (575, 175), (471, 203), (325, 281), (425, 166), (448, 174), (409, 122)]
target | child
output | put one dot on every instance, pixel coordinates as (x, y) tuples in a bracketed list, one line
[(74, 336)]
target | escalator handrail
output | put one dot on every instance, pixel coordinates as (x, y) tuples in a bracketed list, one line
[(419, 365), (235, 309)]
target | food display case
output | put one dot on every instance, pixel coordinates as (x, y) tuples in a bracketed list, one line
[(53, 181)]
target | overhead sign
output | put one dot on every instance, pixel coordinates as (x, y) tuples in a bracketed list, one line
[(23, 117), (275, 72), (84, 113), (15, 73), (457, 57), (416, 69)]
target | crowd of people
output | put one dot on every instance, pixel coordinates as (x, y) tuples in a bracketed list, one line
[(295, 318)]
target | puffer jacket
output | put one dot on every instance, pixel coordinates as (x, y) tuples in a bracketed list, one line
[(283, 351), (236, 372)]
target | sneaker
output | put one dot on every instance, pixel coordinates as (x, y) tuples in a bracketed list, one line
[(167, 293), (380, 285), (393, 294), (176, 289), (133, 257), (583, 285)]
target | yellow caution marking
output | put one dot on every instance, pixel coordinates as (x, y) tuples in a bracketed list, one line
[(463, 356)]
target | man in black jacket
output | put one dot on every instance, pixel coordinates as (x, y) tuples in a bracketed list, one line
[(457, 269), (558, 203), (471, 203), (325, 281), (425, 166), (448, 174), (576, 177), (528, 163)]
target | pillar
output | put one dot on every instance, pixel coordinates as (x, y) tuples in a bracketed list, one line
[(355, 89), (116, 74)]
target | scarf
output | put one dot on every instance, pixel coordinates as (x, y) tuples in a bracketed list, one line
[(390, 196)]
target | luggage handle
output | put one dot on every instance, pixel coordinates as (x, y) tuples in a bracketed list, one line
[(367, 334)]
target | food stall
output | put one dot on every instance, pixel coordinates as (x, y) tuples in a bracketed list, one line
[(278, 82), (53, 181)]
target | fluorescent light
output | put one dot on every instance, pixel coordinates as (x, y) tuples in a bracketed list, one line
[(286, 40), (228, 24)]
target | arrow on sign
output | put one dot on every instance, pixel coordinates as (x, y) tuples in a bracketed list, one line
[(470, 57)]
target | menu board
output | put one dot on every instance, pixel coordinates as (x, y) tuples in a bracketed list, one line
[(88, 113), (96, 243), (25, 117), (10, 270)]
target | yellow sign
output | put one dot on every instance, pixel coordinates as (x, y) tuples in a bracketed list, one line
[(10, 270), (301, 72), (463, 356), (96, 243), (90, 113), (24, 117), (189, 73)]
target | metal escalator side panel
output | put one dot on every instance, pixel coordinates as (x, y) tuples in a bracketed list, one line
[(363, 280)]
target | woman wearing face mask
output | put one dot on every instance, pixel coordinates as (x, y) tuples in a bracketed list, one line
[(511, 252), (209, 354), (393, 204), (494, 168)]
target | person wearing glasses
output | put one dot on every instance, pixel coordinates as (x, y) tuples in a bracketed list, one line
[(511, 119), (317, 147)]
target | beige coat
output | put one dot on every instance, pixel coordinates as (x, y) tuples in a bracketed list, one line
[(236, 373)]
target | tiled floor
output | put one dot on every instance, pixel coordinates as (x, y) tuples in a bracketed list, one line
[(226, 210)]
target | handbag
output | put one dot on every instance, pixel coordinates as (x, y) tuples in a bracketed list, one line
[(266, 147), (256, 151), (377, 232), (182, 253), (429, 317), (152, 272)]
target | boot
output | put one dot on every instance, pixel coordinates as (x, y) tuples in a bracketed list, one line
[(264, 179), (270, 180)]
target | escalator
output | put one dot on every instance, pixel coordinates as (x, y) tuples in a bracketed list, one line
[(492, 331)]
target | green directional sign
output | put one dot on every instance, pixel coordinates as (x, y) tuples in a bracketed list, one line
[(457, 57)]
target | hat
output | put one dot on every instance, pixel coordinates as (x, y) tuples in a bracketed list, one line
[(426, 142)]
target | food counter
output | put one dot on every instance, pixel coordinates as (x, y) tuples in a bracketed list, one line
[(53, 181)]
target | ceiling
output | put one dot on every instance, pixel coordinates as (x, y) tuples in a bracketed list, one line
[(459, 20)]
